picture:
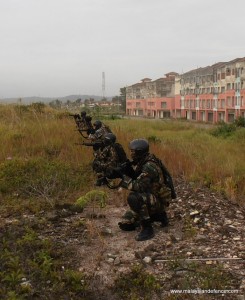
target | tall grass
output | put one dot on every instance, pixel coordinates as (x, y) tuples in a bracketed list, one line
[(195, 153), (187, 150)]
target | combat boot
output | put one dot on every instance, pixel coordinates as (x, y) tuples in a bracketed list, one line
[(146, 232), (160, 217), (128, 226), (101, 181)]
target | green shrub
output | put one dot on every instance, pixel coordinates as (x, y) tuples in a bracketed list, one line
[(240, 122), (223, 130), (93, 197), (39, 178)]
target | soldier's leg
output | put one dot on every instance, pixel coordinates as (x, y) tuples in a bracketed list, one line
[(139, 203), (160, 217)]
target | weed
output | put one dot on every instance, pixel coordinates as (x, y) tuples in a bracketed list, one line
[(189, 230), (138, 284), (32, 266)]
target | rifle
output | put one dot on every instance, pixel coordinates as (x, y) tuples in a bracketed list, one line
[(119, 172), (75, 116), (96, 145), (88, 130)]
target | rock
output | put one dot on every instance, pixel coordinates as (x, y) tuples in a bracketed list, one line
[(106, 231), (140, 254), (147, 259), (117, 261), (200, 237), (110, 260), (196, 220), (109, 255), (194, 213)]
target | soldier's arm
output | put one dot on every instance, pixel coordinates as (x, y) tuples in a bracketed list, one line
[(108, 158), (143, 182)]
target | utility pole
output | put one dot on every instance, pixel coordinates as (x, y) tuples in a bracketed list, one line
[(103, 85)]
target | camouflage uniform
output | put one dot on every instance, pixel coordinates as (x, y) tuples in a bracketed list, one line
[(107, 158), (148, 188), (99, 133)]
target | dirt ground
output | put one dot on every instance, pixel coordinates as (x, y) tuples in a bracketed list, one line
[(205, 229)]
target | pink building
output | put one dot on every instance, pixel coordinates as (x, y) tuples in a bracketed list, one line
[(210, 94)]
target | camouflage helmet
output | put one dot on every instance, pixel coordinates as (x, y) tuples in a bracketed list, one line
[(83, 113), (110, 138)]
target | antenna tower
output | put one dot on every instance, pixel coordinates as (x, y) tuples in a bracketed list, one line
[(103, 85)]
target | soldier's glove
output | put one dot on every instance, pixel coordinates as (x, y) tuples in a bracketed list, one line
[(113, 173), (90, 131)]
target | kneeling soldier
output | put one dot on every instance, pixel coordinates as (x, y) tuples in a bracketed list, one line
[(151, 190)]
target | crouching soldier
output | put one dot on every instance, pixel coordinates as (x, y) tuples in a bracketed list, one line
[(151, 190), (110, 156)]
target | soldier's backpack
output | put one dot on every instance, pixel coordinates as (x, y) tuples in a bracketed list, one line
[(106, 128), (120, 152), (168, 181)]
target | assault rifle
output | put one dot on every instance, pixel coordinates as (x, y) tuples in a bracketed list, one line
[(75, 116), (118, 172), (87, 130), (83, 125), (96, 145)]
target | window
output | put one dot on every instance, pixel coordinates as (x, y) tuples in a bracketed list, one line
[(222, 103), (151, 104), (163, 104), (203, 103), (137, 104), (222, 89)]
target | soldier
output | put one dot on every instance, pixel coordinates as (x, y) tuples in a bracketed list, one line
[(149, 194), (110, 156), (100, 131)]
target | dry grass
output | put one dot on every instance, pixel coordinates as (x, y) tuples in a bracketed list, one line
[(186, 150)]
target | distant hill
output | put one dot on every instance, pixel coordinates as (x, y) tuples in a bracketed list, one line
[(28, 100)]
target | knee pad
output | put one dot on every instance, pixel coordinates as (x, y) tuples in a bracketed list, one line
[(135, 201)]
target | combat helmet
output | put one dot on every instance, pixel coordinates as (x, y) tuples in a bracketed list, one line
[(97, 124), (109, 138), (138, 147), (83, 113)]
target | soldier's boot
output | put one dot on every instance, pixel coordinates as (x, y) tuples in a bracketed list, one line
[(101, 181), (128, 226), (130, 222), (146, 232), (160, 217)]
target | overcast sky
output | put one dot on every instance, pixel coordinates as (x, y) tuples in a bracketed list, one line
[(53, 48)]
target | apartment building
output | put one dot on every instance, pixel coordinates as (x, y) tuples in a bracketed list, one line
[(210, 94)]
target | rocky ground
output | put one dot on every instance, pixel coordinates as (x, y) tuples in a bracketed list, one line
[(203, 243)]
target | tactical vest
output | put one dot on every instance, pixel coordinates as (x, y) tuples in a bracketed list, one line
[(164, 189)]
